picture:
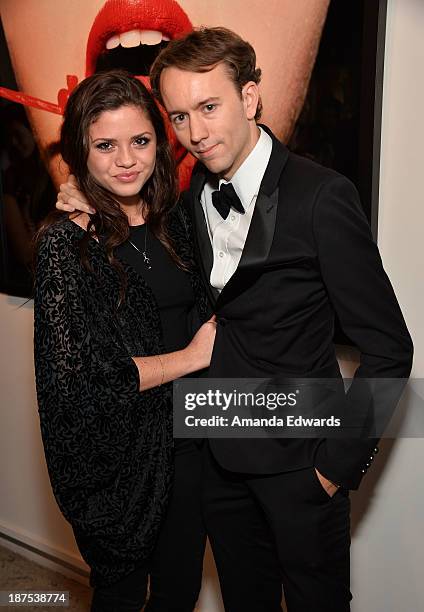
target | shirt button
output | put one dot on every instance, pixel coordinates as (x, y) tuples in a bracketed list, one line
[(221, 253), (232, 217)]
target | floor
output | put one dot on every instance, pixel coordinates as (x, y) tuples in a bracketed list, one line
[(18, 573)]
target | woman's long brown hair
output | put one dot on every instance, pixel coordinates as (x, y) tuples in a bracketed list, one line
[(96, 94)]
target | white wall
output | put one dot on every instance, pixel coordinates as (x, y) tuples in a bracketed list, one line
[(387, 549), (28, 511), (388, 511)]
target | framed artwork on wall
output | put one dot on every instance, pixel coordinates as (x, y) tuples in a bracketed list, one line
[(339, 125)]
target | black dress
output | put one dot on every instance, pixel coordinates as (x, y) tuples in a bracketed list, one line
[(108, 447), (170, 285)]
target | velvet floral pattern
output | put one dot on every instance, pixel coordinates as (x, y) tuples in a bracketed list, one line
[(108, 446)]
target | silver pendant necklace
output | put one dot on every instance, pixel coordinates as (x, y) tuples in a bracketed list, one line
[(146, 258)]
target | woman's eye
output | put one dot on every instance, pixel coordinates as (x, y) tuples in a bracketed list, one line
[(141, 141), (104, 146)]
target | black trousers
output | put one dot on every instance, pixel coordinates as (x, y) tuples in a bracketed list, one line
[(175, 567), (282, 529)]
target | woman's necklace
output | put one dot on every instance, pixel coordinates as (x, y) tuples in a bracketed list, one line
[(144, 253)]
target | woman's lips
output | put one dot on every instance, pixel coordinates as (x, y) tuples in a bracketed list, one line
[(120, 16), (127, 177)]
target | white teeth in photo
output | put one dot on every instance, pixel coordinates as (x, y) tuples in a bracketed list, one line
[(134, 38)]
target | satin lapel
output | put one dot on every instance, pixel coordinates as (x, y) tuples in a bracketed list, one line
[(262, 227), (203, 245)]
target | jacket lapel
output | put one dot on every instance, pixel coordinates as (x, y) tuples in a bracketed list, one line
[(203, 246), (261, 231), (262, 227)]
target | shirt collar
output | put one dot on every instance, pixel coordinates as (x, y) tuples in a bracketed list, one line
[(247, 180)]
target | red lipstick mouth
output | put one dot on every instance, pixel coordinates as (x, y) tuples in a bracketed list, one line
[(129, 34), (115, 19)]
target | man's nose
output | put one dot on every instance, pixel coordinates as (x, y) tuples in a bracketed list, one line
[(198, 129)]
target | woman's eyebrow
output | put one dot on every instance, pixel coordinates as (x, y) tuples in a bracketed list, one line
[(147, 133)]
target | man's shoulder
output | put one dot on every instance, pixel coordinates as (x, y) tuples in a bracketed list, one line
[(306, 169), (298, 173), (307, 182)]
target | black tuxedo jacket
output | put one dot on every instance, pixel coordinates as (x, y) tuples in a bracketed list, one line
[(309, 254)]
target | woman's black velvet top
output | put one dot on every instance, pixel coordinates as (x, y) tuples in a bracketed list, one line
[(108, 446)]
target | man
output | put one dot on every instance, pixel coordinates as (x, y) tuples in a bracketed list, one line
[(285, 245)]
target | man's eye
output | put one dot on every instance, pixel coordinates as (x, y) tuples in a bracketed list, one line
[(210, 107), (104, 146), (179, 118)]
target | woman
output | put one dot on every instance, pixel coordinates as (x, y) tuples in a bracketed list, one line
[(115, 296)]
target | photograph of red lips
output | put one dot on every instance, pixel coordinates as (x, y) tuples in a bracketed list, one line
[(124, 34), (49, 46), (71, 40)]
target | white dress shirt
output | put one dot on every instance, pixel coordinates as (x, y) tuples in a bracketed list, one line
[(229, 235)]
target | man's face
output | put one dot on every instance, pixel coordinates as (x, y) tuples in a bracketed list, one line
[(49, 39), (210, 117)]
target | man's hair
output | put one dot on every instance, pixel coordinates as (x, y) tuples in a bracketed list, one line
[(202, 50)]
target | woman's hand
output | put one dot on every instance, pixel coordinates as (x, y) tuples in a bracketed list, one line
[(199, 350), (155, 370)]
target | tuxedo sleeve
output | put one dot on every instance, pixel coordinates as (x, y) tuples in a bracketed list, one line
[(369, 314)]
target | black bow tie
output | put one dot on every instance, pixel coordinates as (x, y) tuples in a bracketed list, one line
[(226, 198)]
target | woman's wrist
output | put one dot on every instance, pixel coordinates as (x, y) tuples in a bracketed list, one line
[(190, 359)]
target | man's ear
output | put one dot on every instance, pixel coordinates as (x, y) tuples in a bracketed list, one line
[(250, 97)]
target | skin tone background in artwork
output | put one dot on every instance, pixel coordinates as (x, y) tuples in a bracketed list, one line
[(54, 44)]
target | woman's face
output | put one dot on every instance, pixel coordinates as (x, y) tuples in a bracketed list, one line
[(122, 152), (51, 39)]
